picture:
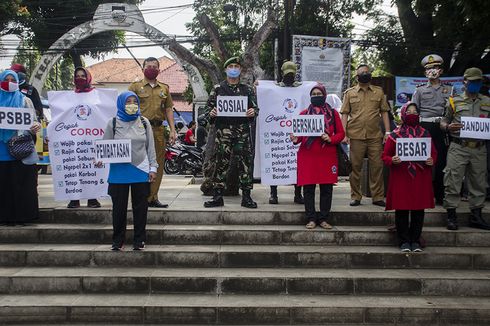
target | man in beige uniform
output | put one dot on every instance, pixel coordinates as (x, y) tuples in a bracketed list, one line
[(362, 107), (466, 157), (156, 105)]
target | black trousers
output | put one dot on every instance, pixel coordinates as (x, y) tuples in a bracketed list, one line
[(409, 228), (297, 191), (119, 194), (18, 192), (439, 138), (325, 202)]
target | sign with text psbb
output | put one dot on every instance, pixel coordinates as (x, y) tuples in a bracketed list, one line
[(413, 149), (232, 106), (308, 125), (476, 128), (113, 151), (16, 118)]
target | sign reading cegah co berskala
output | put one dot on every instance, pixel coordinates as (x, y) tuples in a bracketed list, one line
[(232, 106), (308, 125), (113, 151), (476, 128), (413, 149), (16, 118)]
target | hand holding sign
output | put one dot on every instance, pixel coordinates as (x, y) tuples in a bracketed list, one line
[(251, 113), (454, 127), (430, 161)]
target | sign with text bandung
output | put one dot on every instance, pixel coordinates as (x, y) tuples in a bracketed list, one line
[(113, 151), (413, 149), (308, 125), (16, 118), (477, 128), (232, 106)]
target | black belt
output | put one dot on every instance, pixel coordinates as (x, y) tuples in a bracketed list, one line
[(156, 123), (468, 143)]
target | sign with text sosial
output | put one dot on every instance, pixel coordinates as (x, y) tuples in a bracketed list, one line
[(413, 149), (232, 106), (16, 118), (78, 119), (476, 128), (275, 154), (113, 151), (308, 125)]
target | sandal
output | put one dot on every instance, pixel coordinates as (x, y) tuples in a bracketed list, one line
[(311, 225), (325, 225)]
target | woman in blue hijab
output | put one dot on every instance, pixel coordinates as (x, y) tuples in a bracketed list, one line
[(137, 175), (18, 178)]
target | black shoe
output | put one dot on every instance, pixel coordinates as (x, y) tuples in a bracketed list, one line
[(355, 202), (116, 247), (93, 203), (217, 200), (380, 203), (139, 246), (273, 200), (406, 247), (299, 199), (477, 221), (73, 204), (416, 247), (247, 200), (157, 204), (452, 219)]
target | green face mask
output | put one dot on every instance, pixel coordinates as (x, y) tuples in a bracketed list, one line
[(131, 108)]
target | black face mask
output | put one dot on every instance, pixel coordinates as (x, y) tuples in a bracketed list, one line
[(288, 79), (364, 78), (318, 100)]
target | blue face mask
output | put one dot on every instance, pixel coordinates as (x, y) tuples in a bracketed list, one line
[(473, 87), (233, 72)]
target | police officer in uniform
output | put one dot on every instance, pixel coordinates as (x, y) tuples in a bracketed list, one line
[(232, 135), (288, 70), (466, 157), (156, 105), (432, 98)]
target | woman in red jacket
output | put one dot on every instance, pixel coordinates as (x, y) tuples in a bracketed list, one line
[(410, 183), (317, 159)]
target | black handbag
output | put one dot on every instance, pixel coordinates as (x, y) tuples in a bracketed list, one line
[(343, 162), (21, 146)]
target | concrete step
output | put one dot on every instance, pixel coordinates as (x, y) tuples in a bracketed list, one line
[(253, 256), (241, 234), (407, 282), (274, 215), (243, 309)]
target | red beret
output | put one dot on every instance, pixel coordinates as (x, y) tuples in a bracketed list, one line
[(17, 67)]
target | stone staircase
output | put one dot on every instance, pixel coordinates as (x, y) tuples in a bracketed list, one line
[(233, 267)]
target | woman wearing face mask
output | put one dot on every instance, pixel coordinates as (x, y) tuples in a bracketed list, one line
[(317, 159), (129, 124), (18, 178), (83, 84), (410, 184)]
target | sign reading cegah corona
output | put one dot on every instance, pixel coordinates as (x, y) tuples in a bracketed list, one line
[(15, 118), (308, 125), (113, 151), (476, 128), (232, 106), (413, 149)]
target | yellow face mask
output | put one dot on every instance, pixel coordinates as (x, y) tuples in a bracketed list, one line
[(131, 109)]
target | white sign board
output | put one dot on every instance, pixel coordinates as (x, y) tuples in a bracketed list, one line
[(232, 106), (477, 128), (308, 125), (113, 151), (275, 154), (413, 149), (78, 120), (16, 118)]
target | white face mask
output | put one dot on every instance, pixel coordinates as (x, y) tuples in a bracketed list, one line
[(131, 109), (433, 73)]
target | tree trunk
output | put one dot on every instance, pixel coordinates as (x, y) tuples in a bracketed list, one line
[(76, 58)]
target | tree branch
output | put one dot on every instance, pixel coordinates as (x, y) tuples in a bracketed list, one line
[(213, 33)]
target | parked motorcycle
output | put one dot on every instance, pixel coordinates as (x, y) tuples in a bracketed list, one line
[(183, 159)]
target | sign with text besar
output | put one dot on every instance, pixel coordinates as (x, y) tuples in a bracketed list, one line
[(413, 149), (16, 118), (308, 125), (476, 128), (113, 151), (232, 106)]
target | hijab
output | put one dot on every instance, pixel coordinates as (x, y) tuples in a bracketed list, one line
[(324, 109), (13, 99), (121, 107), (88, 85)]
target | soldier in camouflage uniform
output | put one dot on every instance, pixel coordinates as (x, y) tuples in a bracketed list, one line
[(232, 136), (466, 156)]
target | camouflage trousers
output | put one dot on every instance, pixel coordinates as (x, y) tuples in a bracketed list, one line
[(231, 141)]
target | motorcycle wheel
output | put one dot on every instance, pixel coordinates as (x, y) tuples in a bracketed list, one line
[(170, 167)]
